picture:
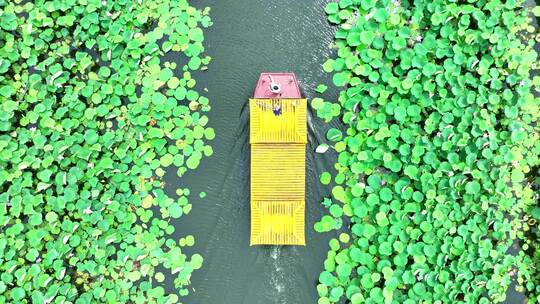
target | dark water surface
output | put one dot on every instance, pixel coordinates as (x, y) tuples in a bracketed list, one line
[(249, 37)]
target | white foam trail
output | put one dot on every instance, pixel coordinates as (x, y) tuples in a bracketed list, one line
[(277, 277)]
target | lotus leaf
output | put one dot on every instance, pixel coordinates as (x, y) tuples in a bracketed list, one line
[(334, 134), (321, 88)]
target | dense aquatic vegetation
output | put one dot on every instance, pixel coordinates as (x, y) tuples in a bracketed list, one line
[(436, 178), (91, 119)]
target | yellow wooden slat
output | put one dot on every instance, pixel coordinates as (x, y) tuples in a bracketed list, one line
[(287, 127), (277, 223), (278, 171)]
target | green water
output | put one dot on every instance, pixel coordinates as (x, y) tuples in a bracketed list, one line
[(249, 37)]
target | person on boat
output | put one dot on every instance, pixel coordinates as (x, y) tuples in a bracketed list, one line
[(277, 109)]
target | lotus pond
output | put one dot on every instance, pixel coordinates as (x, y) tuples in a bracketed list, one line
[(124, 155)]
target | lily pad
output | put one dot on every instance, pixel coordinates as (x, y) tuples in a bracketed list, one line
[(325, 178)]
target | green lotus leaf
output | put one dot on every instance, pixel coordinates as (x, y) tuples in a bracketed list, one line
[(209, 133), (345, 14), (336, 293), (345, 3), (413, 110), (399, 43), (411, 171), (334, 134), (340, 79), (192, 95), (357, 298), (166, 160), (536, 213), (190, 240), (417, 196), (193, 161), (194, 63), (317, 103), (367, 4), (323, 300), (325, 178), (196, 34), (331, 8), (35, 219), (321, 88), (429, 69), (328, 65), (44, 175), (369, 231), (385, 194), (536, 11), (51, 217), (366, 281), (173, 83), (327, 223), (381, 15), (334, 244), (472, 187), (18, 293), (339, 194), (354, 39), (437, 19), (336, 211), (407, 83), (322, 290), (381, 219), (367, 37), (392, 283), (344, 237), (327, 278)]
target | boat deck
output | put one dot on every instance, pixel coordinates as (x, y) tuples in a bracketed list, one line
[(278, 151)]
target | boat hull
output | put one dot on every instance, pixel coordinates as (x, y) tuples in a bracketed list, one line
[(278, 137)]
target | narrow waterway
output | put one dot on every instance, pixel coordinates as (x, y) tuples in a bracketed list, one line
[(249, 37)]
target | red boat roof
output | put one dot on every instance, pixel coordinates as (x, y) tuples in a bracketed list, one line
[(277, 85)]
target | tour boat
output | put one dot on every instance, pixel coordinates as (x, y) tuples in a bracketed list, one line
[(278, 137)]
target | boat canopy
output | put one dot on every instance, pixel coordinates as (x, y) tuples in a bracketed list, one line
[(278, 153)]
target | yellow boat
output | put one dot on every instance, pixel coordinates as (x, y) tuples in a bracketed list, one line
[(278, 137)]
